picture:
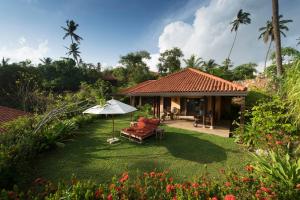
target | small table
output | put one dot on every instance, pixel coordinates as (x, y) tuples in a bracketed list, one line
[(159, 133)]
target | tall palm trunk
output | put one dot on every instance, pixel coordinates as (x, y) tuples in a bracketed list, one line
[(232, 45), (275, 22), (267, 55)]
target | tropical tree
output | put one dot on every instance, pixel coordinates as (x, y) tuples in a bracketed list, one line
[(267, 33), (137, 69), (75, 39), (193, 61), (276, 30), (209, 65), (241, 18), (4, 61), (244, 71), (70, 31), (74, 51), (169, 61), (46, 61)]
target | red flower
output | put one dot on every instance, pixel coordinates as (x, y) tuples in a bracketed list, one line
[(169, 188), (98, 194), (214, 198), (246, 179), (171, 179), (11, 195), (109, 197), (249, 168), (195, 185), (279, 142), (152, 174), (227, 184), (267, 190), (229, 197), (124, 178)]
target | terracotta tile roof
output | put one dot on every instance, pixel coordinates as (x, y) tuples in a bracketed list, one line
[(9, 114), (187, 80)]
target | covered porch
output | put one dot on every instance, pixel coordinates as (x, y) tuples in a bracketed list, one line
[(221, 128)]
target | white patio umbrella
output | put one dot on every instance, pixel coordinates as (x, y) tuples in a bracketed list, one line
[(112, 107)]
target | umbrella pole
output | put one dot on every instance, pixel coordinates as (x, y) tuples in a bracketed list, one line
[(112, 116)]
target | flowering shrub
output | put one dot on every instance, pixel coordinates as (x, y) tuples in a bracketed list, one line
[(270, 126), (156, 185), (19, 145)]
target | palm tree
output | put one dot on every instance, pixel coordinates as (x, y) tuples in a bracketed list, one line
[(4, 61), (267, 33), (241, 18), (75, 39), (70, 31), (275, 22), (209, 65), (74, 51), (46, 61), (193, 61)]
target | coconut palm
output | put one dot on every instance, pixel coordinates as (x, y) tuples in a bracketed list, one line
[(276, 30), (267, 33), (46, 61), (193, 61), (70, 31), (4, 61), (241, 18), (209, 65), (74, 51)]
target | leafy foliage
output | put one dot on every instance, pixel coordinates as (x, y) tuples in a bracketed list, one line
[(269, 124), (282, 170), (169, 61)]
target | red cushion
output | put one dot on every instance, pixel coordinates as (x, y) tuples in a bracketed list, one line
[(141, 125)]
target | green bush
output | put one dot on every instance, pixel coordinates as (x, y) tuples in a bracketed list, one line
[(20, 144), (143, 111), (269, 124), (283, 170)]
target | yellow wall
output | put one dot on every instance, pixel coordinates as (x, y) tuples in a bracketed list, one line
[(175, 102)]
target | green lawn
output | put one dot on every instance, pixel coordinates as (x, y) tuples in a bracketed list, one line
[(184, 153)]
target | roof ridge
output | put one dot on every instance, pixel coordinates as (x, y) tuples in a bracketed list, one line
[(145, 83), (216, 77)]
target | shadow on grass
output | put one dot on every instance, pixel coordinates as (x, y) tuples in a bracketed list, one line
[(189, 147)]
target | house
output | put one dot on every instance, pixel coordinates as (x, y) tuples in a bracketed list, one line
[(9, 114), (190, 91)]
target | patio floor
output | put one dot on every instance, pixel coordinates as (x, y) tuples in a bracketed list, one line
[(221, 129)]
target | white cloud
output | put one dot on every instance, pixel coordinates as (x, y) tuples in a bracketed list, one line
[(152, 63), (209, 35), (25, 52)]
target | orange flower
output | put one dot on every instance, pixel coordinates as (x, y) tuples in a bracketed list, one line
[(249, 168), (152, 174), (195, 185), (298, 186), (124, 178), (227, 184), (246, 179), (229, 197), (169, 188), (267, 190), (279, 142)]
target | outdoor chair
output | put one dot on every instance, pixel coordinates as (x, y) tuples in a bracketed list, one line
[(141, 130)]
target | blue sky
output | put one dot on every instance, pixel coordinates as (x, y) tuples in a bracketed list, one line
[(111, 28)]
